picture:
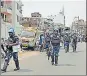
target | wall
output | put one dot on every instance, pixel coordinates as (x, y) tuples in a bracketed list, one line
[(15, 12)]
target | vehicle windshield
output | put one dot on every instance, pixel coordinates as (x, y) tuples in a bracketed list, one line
[(27, 34)]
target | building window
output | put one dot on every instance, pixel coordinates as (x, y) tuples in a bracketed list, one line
[(2, 15), (2, 3), (5, 17)]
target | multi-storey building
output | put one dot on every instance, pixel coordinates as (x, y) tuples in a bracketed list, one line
[(11, 13), (79, 27), (25, 22), (6, 18), (35, 19)]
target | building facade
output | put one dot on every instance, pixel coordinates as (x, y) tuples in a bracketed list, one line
[(17, 15), (79, 27), (25, 22), (35, 19), (10, 16), (6, 18)]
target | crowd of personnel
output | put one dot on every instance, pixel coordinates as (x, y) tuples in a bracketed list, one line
[(50, 42)]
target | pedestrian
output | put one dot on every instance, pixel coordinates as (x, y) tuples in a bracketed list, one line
[(67, 41), (37, 45), (55, 41), (12, 41), (74, 42), (41, 42), (2, 45), (47, 42)]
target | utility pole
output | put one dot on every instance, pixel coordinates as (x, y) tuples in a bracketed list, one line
[(63, 14), (64, 18)]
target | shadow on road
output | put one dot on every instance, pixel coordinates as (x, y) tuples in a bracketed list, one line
[(21, 70), (25, 70), (76, 52), (66, 65)]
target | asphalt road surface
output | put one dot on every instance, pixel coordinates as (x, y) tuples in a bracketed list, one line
[(36, 63)]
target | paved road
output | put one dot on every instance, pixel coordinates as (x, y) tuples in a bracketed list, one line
[(36, 63)]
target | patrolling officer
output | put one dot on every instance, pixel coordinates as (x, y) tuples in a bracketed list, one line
[(47, 42), (55, 41), (74, 42), (41, 42), (11, 41), (67, 41)]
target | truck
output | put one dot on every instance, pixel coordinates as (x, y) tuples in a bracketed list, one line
[(29, 37)]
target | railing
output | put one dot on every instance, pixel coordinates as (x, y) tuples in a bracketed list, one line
[(6, 9)]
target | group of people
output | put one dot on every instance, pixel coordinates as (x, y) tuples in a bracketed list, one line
[(51, 42)]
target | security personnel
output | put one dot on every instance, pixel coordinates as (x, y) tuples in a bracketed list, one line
[(67, 41), (55, 41), (41, 42), (74, 42), (11, 41), (47, 42)]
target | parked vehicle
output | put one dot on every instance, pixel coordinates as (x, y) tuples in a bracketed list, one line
[(29, 37)]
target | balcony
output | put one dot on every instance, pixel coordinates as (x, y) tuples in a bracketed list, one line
[(7, 11)]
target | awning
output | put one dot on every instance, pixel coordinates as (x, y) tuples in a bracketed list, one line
[(7, 1)]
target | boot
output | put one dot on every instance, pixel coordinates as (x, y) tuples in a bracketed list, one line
[(17, 65), (16, 69), (5, 66), (52, 60), (56, 60), (3, 70)]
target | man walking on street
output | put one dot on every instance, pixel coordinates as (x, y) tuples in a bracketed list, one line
[(41, 42), (66, 42), (55, 41), (47, 42), (11, 42), (74, 42)]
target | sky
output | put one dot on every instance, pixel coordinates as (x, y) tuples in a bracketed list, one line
[(72, 8)]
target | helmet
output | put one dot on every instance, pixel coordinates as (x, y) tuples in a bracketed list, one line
[(11, 30)]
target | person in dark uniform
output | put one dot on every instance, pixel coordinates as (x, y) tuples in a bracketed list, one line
[(11, 41), (55, 41), (2, 45), (74, 42)]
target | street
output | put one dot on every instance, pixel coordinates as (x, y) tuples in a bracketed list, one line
[(36, 63)]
